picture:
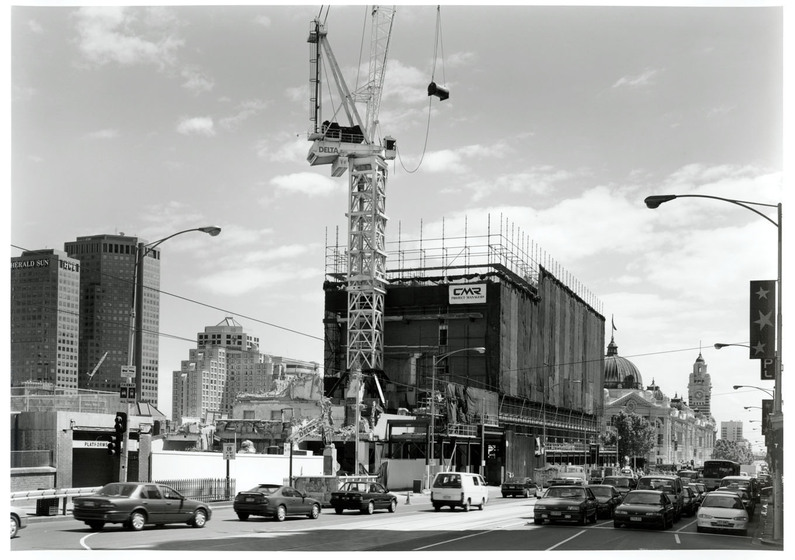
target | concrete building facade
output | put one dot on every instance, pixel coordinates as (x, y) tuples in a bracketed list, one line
[(107, 281), (44, 319)]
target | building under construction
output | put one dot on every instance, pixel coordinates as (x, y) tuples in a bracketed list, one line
[(491, 349)]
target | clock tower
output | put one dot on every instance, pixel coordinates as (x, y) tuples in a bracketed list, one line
[(699, 388)]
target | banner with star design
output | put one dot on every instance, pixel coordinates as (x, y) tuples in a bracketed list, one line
[(763, 319)]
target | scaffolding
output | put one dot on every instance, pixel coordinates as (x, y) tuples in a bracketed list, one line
[(449, 258)]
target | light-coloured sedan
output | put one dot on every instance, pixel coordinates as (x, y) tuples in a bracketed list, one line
[(722, 511), (19, 519)]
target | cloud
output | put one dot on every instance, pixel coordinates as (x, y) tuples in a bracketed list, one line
[(104, 134), (126, 36), (202, 126), (244, 111), (196, 80), (253, 279), (35, 27), (645, 78), (309, 183)]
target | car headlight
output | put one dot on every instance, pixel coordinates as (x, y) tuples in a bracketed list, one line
[(574, 508), (741, 518), (541, 507), (704, 516), (653, 513)]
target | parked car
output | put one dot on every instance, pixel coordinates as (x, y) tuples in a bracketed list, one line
[(622, 483), (607, 498), (722, 511), (365, 497), (19, 520), (567, 503), (671, 485), (276, 501), (748, 482), (645, 508), (520, 486), (700, 490), (458, 489), (744, 494), (136, 504), (689, 501)]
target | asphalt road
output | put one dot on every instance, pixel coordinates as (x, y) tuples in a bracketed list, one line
[(506, 524)]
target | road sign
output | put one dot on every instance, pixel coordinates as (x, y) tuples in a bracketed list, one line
[(229, 451), (127, 392), (768, 369)]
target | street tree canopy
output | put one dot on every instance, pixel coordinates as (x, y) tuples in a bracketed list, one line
[(636, 436)]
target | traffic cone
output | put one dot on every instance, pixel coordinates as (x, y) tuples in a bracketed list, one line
[(408, 497)]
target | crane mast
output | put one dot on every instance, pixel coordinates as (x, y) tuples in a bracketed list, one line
[(354, 148)]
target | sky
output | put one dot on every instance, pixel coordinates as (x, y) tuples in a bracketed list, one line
[(561, 120)]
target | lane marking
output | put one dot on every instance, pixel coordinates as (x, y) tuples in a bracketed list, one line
[(566, 540)]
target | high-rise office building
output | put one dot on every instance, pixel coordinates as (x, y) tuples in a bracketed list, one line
[(226, 363), (107, 288), (45, 289), (731, 430)]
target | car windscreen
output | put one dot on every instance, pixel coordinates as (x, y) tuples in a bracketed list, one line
[(617, 482), (265, 489), (447, 481), (570, 493), (726, 501), (118, 489), (656, 484), (601, 491), (642, 498)]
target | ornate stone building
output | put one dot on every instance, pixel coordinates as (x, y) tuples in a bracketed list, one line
[(684, 433)]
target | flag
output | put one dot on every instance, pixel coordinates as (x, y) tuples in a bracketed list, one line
[(762, 320), (613, 320)]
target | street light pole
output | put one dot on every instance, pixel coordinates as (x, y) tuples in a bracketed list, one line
[(436, 360), (142, 251), (777, 416)]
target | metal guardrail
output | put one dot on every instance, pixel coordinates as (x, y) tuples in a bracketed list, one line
[(53, 493)]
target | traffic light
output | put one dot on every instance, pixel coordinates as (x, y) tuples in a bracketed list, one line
[(120, 427), (121, 422)]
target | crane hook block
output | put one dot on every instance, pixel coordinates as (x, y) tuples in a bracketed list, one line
[(439, 91)]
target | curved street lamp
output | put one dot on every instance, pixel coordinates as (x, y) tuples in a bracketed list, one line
[(768, 391), (138, 314), (777, 416), (436, 360)]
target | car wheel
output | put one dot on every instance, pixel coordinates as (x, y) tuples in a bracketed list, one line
[(314, 513), (368, 508), (505, 495), (281, 513), (482, 504), (616, 524), (338, 511), (199, 519), (137, 520), (699, 529), (467, 505), (96, 525), (242, 516), (670, 522), (14, 526), (392, 506), (437, 507), (538, 521)]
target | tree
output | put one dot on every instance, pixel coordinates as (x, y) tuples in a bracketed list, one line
[(726, 449), (636, 436)]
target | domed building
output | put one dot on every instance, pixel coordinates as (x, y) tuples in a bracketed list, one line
[(683, 434)]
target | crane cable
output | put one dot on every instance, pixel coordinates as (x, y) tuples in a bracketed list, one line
[(436, 46)]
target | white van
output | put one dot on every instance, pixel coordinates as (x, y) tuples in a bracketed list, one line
[(459, 489)]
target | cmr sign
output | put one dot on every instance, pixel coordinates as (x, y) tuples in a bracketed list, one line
[(467, 293)]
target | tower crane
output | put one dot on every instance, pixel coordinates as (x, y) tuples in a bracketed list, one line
[(96, 367), (353, 147)]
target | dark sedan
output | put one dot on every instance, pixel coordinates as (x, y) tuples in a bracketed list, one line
[(365, 497), (520, 486), (645, 508), (566, 503), (276, 501), (136, 504), (622, 483), (607, 498), (690, 501)]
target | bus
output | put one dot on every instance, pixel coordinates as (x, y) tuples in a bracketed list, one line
[(690, 475), (716, 469)]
